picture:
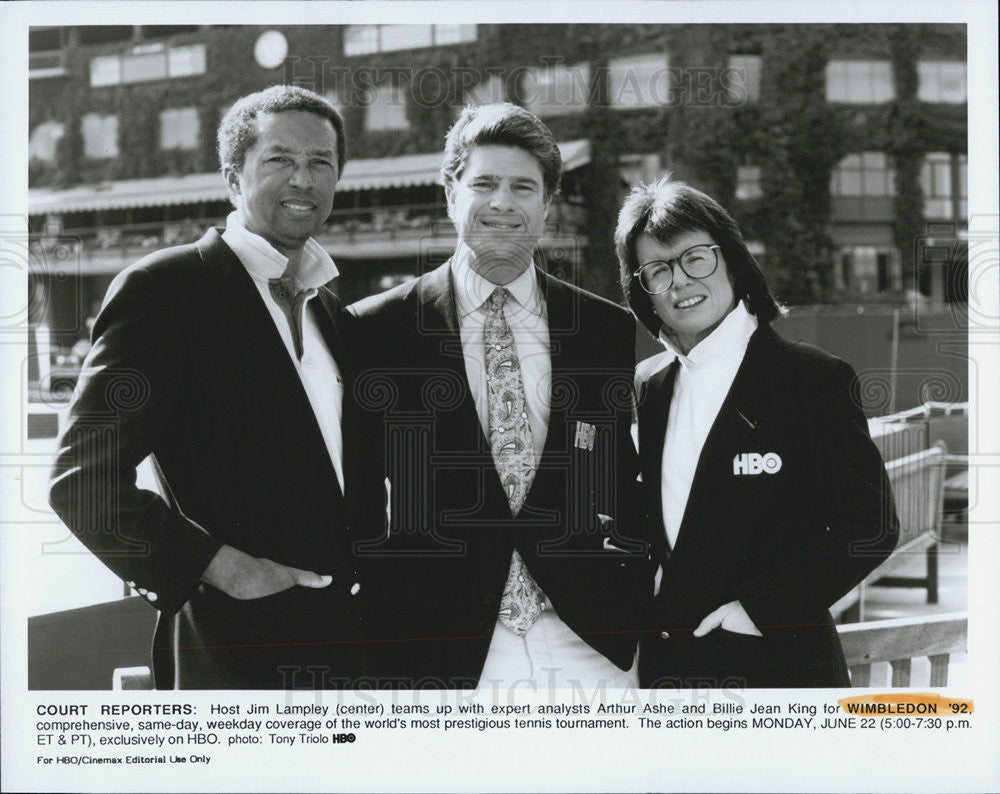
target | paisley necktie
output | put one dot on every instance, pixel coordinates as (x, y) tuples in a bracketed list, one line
[(513, 455)]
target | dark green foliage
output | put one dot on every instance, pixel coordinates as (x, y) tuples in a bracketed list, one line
[(702, 136)]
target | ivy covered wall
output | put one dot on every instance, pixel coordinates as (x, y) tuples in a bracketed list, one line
[(791, 132)]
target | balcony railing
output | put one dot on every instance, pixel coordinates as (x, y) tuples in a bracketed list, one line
[(50, 63), (360, 232)]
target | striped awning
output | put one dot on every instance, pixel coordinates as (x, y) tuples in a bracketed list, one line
[(370, 174)]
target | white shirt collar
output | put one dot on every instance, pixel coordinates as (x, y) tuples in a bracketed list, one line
[(263, 261), (472, 290), (728, 339)]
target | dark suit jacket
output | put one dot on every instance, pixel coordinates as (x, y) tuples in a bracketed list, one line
[(786, 544), (188, 367), (451, 535)]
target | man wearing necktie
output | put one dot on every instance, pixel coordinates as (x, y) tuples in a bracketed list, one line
[(222, 360), (503, 400)]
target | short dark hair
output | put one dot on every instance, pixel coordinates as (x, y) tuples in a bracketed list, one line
[(502, 124), (665, 208), (238, 132)]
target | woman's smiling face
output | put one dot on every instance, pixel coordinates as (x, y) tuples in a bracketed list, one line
[(691, 308)]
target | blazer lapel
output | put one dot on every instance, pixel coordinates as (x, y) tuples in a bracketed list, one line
[(237, 297), (654, 409), (564, 353), (325, 307), (251, 344), (436, 304), (437, 324)]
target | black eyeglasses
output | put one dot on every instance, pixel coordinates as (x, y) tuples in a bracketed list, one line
[(698, 261)]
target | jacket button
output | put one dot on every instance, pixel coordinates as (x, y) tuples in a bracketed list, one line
[(355, 589), (664, 635), (152, 596)]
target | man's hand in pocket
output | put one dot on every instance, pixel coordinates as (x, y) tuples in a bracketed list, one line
[(239, 575)]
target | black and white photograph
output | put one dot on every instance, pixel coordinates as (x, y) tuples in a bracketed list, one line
[(418, 378)]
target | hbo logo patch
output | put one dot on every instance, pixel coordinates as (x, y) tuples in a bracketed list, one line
[(755, 463)]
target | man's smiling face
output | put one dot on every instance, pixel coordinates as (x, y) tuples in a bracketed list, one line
[(498, 205), (284, 191)]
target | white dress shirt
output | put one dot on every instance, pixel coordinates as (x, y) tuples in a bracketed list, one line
[(550, 655), (317, 370), (704, 378)]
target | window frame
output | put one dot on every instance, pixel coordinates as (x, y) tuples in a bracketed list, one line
[(848, 70), (551, 75), (860, 163), (647, 81)]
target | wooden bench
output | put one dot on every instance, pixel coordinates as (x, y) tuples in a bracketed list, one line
[(900, 641), (918, 488)]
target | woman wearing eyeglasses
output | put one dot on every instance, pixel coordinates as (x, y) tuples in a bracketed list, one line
[(771, 499)]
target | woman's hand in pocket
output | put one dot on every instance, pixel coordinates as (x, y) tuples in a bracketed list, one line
[(729, 617)]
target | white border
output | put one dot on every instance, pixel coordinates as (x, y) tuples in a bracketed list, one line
[(534, 761)]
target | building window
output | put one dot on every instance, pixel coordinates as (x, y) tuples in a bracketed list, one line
[(942, 81), (141, 67), (453, 34), (360, 39), (148, 62), (44, 141), (963, 186), (944, 181), (859, 82), (557, 90), (637, 81), (186, 61), (105, 70), (935, 180), (743, 78), (485, 92), (45, 55), (46, 64), (869, 269), (404, 37), (387, 109), (748, 183), (179, 128), (100, 136), (864, 174), (366, 39)]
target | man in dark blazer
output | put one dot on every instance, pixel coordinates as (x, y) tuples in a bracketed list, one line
[(460, 545), (223, 362)]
